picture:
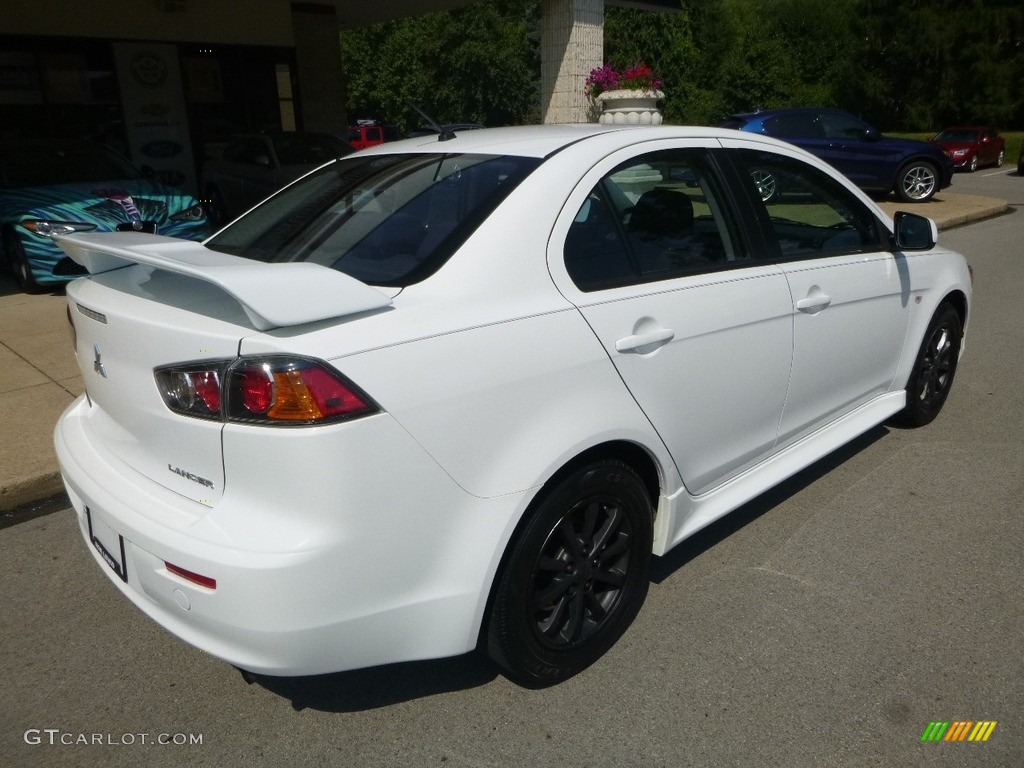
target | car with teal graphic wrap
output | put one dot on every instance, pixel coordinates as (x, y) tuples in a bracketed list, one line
[(53, 187)]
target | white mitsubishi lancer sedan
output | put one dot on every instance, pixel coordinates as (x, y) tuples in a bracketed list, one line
[(448, 394)]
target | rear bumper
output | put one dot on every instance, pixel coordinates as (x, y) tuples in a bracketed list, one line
[(310, 577)]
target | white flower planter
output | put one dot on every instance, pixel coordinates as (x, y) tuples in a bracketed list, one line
[(627, 107)]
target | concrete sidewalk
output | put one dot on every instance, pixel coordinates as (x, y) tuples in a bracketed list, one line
[(39, 377)]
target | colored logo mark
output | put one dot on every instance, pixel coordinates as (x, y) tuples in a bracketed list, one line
[(959, 730)]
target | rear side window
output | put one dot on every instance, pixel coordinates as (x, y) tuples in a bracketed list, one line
[(808, 213), (805, 125), (657, 217), (388, 220)]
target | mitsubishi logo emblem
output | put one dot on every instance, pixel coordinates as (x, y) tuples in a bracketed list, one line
[(97, 364)]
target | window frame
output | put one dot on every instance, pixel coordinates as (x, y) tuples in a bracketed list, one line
[(758, 214), (724, 211)]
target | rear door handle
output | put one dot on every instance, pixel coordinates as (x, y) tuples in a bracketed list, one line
[(814, 303), (653, 339)]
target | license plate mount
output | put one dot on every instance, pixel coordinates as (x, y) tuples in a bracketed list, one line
[(109, 544)]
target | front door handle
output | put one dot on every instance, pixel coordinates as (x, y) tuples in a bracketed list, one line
[(640, 341)]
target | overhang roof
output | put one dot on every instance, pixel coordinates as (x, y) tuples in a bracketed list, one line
[(362, 13)]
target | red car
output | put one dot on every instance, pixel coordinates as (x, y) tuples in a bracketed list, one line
[(366, 134), (971, 146)]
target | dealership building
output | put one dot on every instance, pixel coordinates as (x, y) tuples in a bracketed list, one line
[(165, 80)]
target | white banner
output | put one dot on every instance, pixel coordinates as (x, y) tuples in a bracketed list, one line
[(155, 118)]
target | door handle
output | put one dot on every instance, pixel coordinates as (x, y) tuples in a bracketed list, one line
[(654, 338), (814, 303)]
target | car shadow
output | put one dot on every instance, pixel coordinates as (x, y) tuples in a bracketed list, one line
[(9, 286), (377, 687), (664, 567)]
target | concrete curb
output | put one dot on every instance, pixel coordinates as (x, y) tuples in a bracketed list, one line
[(949, 210), (29, 490)]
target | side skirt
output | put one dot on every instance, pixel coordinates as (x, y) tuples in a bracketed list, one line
[(682, 515)]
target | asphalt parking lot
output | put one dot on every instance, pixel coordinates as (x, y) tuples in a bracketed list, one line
[(826, 623)]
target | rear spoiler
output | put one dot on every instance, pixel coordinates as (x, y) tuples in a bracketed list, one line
[(272, 295)]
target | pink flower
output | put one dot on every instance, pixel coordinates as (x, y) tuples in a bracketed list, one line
[(636, 77)]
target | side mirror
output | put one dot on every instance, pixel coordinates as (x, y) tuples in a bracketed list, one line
[(871, 134), (913, 232)]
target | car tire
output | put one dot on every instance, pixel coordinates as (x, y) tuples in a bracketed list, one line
[(1000, 158), (934, 368), (917, 181), (18, 263), (575, 576), (974, 164)]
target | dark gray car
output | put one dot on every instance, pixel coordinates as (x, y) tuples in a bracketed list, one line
[(251, 168)]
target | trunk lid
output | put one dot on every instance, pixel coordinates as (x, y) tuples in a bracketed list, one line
[(154, 302), (121, 336)]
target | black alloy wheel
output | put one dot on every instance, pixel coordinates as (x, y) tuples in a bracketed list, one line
[(575, 578), (934, 369)]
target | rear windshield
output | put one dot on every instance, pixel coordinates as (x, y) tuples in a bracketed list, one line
[(388, 220)]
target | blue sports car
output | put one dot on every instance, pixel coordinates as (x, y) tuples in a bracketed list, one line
[(51, 187), (914, 170)]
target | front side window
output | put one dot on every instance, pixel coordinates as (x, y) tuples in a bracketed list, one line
[(656, 217), (253, 151), (308, 148), (843, 127), (388, 220), (808, 212)]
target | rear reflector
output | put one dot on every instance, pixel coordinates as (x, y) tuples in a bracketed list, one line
[(195, 578)]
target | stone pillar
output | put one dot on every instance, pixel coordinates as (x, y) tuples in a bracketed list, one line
[(318, 58), (572, 44)]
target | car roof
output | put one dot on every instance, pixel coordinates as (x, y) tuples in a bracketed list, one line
[(761, 113), (541, 140)]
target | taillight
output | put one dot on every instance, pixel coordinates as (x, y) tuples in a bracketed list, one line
[(254, 386), (191, 390), (265, 390)]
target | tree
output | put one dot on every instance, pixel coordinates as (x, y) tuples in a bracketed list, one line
[(477, 64), (901, 64), (921, 65)]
